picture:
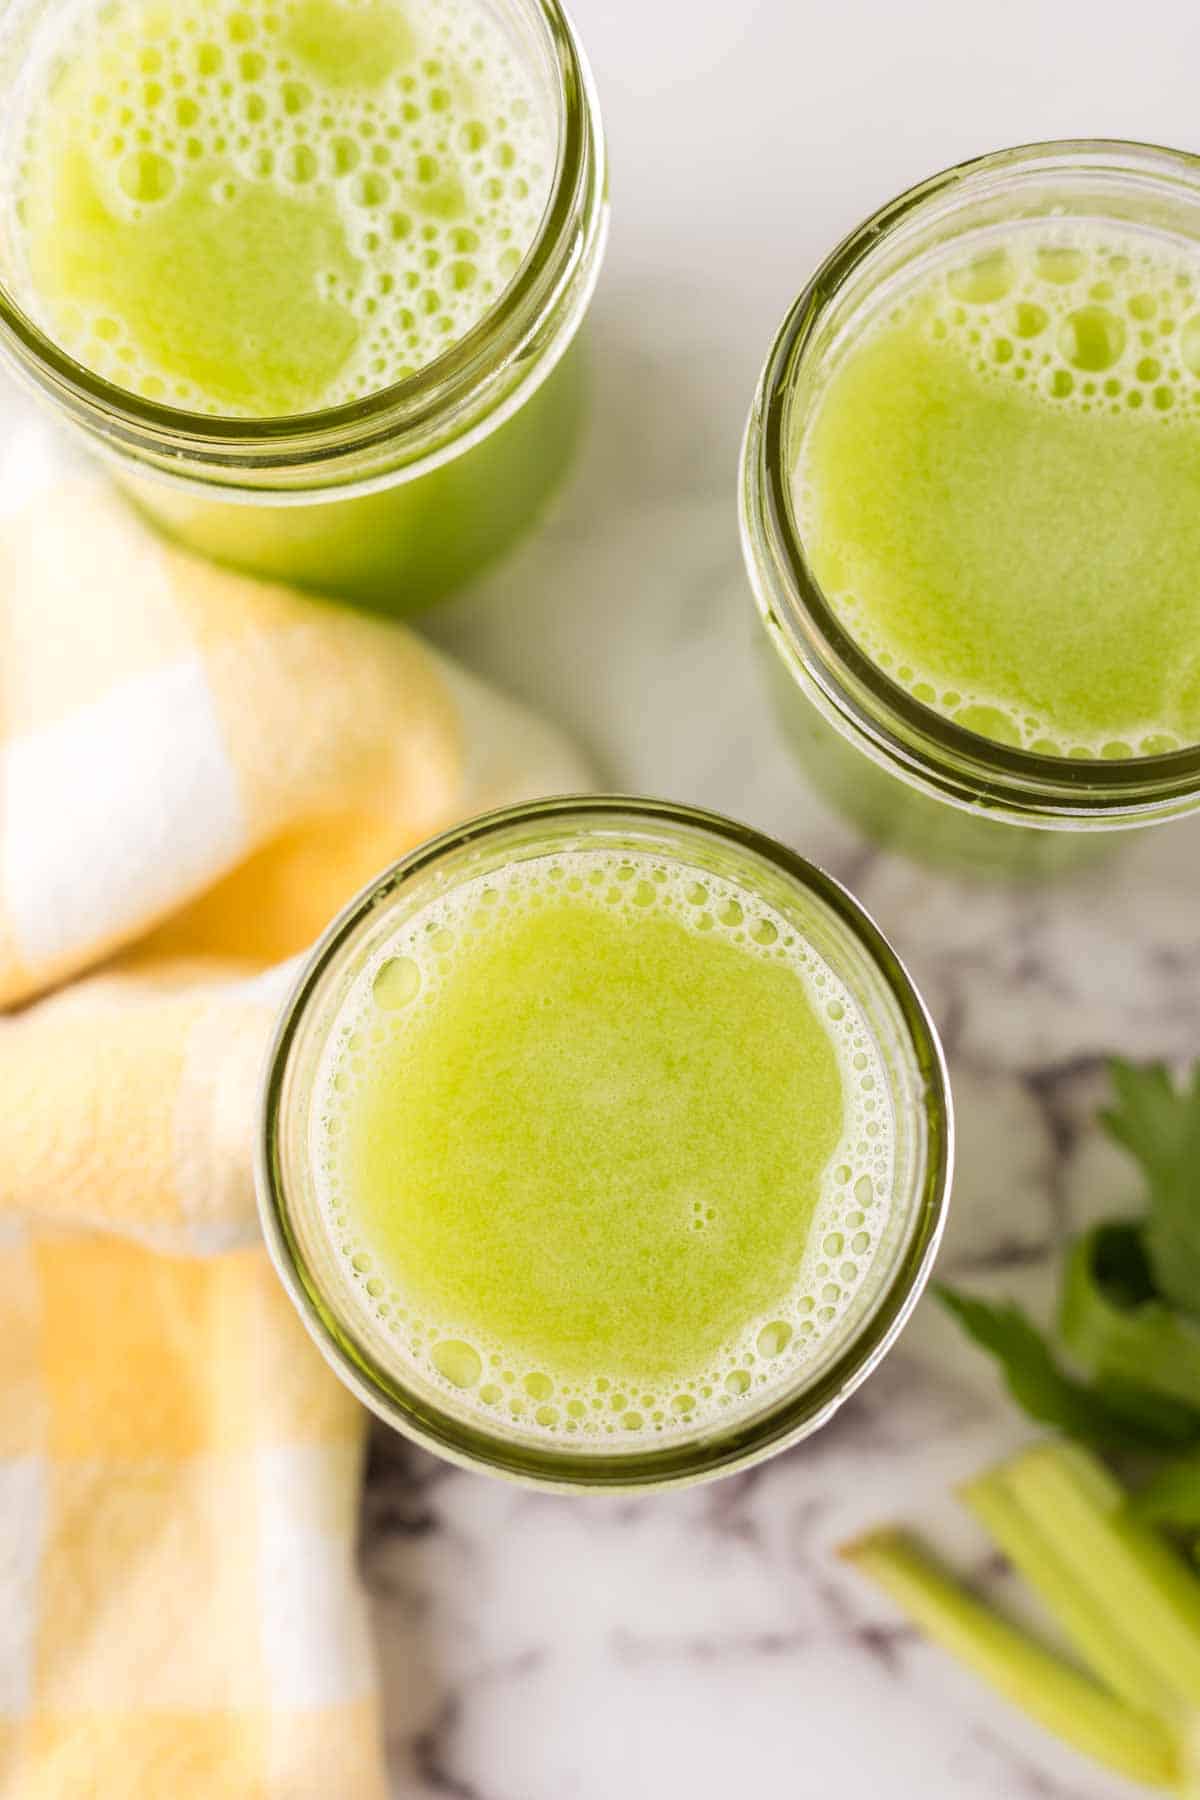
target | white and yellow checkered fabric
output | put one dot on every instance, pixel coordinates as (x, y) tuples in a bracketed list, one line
[(196, 770)]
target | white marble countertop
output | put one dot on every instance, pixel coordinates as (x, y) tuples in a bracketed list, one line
[(695, 1646)]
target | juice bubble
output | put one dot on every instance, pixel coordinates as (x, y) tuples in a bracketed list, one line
[(1029, 319), (774, 1338), (458, 1362), (984, 279), (1060, 264), (397, 984), (1189, 344), (989, 722), (1092, 338), (146, 177)]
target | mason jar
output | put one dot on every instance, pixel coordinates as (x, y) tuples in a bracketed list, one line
[(368, 1353), (905, 774), (397, 498)]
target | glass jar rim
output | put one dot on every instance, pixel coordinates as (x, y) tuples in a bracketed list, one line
[(407, 418), (860, 698), (799, 1407)]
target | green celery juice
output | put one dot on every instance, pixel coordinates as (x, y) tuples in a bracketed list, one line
[(603, 1147), (260, 208), (998, 489)]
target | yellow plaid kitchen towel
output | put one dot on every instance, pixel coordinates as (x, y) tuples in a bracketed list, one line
[(196, 770)]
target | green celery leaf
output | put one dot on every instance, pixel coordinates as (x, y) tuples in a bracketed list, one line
[(1113, 1324), (1170, 1423), (1158, 1122), (1173, 1496), (1042, 1389)]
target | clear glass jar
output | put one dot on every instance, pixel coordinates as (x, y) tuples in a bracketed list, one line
[(907, 775), (315, 1273), (398, 498)]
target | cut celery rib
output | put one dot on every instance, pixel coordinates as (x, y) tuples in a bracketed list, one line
[(1147, 1591), (1066, 1702), (1095, 1630)]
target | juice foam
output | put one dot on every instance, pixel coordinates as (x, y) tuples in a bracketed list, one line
[(262, 207), (998, 488), (604, 1146)]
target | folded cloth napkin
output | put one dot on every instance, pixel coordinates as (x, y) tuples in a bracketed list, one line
[(196, 771)]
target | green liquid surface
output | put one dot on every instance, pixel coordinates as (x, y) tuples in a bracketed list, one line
[(264, 207), (999, 492), (605, 1146)]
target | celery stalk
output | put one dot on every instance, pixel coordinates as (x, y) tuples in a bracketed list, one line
[(1150, 1595), (1095, 1630), (1059, 1697)]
